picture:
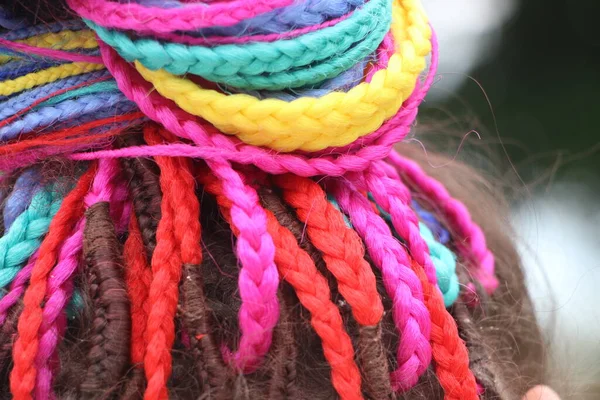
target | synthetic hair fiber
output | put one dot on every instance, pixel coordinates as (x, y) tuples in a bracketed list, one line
[(212, 201)]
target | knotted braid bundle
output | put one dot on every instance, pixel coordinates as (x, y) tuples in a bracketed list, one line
[(265, 128)]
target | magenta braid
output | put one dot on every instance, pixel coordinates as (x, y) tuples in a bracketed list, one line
[(473, 244), (259, 278), (394, 198), (17, 288), (60, 282), (401, 283)]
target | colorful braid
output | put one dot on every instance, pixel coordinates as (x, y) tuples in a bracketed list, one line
[(409, 312), (65, 110), (26, 185), (26, 233), (45, 76), (191, 17), (258, 278), (23, 374), (475, 248), (297, 15), (59, 286), (449, 351), (298, 269), (275, 65), (275, 124)]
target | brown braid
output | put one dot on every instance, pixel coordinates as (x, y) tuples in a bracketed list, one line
[(108, 355), (214, 376), (142, 174)]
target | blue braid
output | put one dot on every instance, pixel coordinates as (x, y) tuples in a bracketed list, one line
[(55, 27), (26, 185), (17, 68), (65, 111), (23, 100)]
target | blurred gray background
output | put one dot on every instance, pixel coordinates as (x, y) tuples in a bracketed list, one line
[(525, 76)]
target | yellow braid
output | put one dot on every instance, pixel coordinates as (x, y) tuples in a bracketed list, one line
[(64, 40), (46, 76), (312, 124)]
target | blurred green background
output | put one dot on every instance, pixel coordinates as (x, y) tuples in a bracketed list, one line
[(542, 76)]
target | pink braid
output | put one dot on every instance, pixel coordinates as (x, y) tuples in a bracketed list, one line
[(60, 282), (394, 198), (401, 283), (137, 17), (17, 288), (259, 278), (473, 246)]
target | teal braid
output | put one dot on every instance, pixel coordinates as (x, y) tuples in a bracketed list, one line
[(445, 265), (26, 233), (443, 259), (304, 60)]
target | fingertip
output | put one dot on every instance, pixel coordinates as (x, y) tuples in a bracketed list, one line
[(541, 392)]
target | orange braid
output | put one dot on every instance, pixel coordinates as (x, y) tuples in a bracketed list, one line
[(449, 351), (137, 278), (22, 377), (342, 249), (299, 270), (178, 242)]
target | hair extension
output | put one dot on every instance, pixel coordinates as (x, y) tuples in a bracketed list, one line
[(215, 377), (478, 355), (298, 269), (8, 327), (23, 374), (179, 228), (283, 376), (35, 30), (475, 249), (195, 16), (45, 76), (108, 355), (23, 190), (449, 352), (142, 175), (24, 236), (344, 257), (138, 278), (65, 111), (59, 286), (218, 147), (25, 100), (409, 312)]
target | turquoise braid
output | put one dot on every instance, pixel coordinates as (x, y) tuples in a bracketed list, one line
[(297, 62), (26, 233), (443, 259)]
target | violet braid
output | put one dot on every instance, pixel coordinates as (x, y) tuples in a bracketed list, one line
[(394, 198), (409, 312)]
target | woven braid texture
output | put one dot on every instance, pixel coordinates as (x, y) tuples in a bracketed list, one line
[(191, 17), (336, 119), (272, 66)]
